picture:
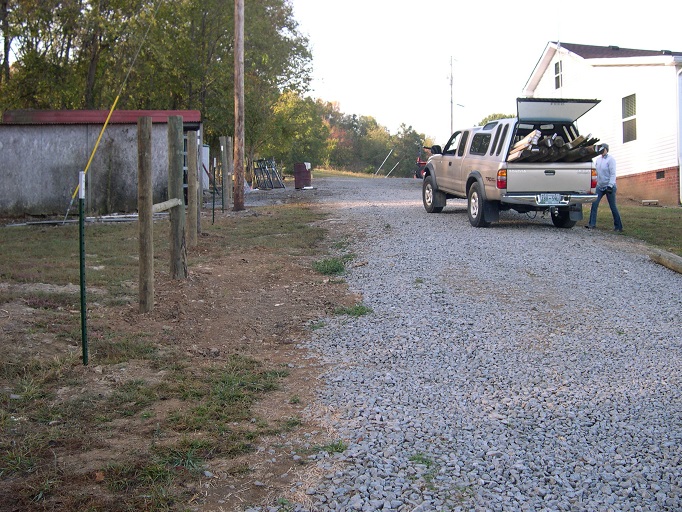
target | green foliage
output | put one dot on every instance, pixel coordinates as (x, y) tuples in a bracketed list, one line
[(493, 117), (360, 144), (330, 266), (150, 54), (658, 226), (77, 54), (408, 147), (335, 447), (421, 458), (297, 132), (356, 310)]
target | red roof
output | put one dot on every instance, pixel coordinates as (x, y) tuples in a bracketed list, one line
[(587, 51), (95, 116)]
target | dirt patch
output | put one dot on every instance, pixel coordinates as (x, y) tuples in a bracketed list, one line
[(260, 305)]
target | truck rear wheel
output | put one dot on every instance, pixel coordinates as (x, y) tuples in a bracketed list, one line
[(562, 219), (476, 206), (429, 195)]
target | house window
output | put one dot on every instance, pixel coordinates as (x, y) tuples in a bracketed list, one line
[(660, 175), (558, 80), (629, 118)]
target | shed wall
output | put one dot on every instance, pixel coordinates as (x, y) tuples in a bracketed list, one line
[(40, 166)]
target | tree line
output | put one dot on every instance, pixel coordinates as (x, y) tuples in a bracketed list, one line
[(179, 54)]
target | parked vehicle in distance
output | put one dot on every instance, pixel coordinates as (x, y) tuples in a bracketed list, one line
[(419, 171), (536, 161)]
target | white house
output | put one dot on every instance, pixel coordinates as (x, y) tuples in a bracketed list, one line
[(640, 114)]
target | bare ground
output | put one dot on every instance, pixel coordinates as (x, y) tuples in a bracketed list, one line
[(260, 304)]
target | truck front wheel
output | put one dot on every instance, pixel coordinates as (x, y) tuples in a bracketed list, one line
[(429, 195), (476, 206)]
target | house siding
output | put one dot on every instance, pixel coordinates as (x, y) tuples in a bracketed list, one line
[(657, 146)]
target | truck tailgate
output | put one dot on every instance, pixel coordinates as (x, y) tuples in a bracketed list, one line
[(550, 178)]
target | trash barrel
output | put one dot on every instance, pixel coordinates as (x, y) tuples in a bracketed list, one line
[(301, 175)]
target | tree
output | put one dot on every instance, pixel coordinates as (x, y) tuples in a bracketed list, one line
[(74, 54), (7, 37), (298, 132), (408, 147), (493, 117)]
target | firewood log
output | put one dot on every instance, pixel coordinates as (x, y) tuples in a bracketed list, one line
[(535, 134), (541, 153), (519, 155)]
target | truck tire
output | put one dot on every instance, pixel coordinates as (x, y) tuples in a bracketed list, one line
[(429, 195), (476, 206), (563, 220)]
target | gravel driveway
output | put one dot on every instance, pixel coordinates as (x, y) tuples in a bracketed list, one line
[(518, 367)]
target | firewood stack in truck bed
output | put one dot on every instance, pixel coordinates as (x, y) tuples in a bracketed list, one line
[(536, 148)]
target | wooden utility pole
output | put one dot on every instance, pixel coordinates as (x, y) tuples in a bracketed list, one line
[(239, 105), (192, 196), (144, 213), (178, 249), (452, 104)]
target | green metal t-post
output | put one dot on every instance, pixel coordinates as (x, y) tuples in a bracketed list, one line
[(81, 231)]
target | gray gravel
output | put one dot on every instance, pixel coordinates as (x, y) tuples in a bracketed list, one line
[(518, 367)]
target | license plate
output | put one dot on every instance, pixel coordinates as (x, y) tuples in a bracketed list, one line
[(549, 198)]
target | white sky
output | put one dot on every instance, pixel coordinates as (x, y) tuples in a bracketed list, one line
[(390, 59)]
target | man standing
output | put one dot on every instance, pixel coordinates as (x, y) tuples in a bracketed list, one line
[(606, 186)]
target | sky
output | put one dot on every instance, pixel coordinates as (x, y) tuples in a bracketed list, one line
[(391, 59)]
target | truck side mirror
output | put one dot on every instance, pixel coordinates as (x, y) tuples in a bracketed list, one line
[(436, 150)]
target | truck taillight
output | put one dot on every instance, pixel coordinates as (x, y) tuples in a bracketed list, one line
[(502, 178), (593, 181)]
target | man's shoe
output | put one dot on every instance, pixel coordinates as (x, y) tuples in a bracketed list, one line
[(589, 227), (618, 230)]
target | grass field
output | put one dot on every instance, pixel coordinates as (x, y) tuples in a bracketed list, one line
[(659, 226)]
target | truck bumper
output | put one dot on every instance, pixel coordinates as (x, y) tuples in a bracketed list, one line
[(549, 199)]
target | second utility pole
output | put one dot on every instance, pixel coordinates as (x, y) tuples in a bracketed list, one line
[(239, 170)]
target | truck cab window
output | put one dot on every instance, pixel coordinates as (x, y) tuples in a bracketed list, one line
[(497, 137), (462, 143), (502, 139), (451, 147), (480, 143)]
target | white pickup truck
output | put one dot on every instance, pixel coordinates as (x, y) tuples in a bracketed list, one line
[(536, 161)]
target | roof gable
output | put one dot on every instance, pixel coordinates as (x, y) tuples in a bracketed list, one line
[(587, 51), (602, 55)]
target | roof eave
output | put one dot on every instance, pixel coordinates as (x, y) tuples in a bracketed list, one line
[(539, 70), (657, 60)]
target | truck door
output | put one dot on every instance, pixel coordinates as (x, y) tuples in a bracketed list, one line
[(449, 162), (459, 180)]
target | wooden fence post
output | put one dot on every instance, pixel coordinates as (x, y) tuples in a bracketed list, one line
[(144, 211), (192, 197), (230, 171), (178, 249)]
